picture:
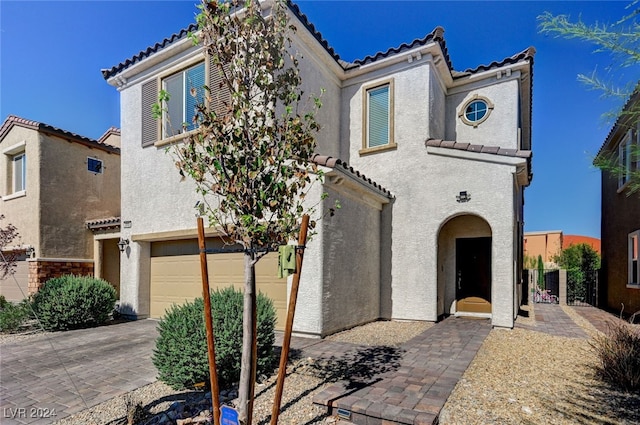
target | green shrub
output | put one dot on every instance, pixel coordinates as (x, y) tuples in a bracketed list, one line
[(71, 302), (13, 316), (3, 302), (618, 353), (181, 348)]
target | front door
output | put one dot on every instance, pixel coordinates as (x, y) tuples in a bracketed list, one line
[(473, 275)]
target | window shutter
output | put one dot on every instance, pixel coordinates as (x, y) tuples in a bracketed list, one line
[(219, 92), (378, 117), (149, 124)]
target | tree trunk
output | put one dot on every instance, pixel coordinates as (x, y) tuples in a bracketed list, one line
[(249, 343)]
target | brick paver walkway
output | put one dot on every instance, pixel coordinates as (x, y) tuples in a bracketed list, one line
[(404, 385), (423, 373), (66, 372)]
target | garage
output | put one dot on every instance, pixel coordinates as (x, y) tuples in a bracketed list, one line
[(175, 276), (16, 287)]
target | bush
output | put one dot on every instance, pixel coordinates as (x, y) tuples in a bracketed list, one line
[(72, 302), (181, 348), (13, 316), (619, 356)]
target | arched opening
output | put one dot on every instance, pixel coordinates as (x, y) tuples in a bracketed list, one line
[(464, 266)]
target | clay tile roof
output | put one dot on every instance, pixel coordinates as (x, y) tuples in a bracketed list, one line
[(526, 54), (107, 73), (495, 150), (103, 223), (13, 120), (632, 104), (437, 35), (109, 132), (332, 162)]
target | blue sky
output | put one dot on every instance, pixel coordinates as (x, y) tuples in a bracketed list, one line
[(51, 54)]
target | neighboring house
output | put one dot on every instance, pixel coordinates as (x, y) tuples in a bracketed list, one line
[(549, 244), (568, 240), (620, 220), (435, 227), (53, 182)]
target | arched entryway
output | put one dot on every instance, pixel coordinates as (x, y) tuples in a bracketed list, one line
[(464, 266)]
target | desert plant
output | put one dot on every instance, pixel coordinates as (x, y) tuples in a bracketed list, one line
[(12, 316), (618, 353), (71, 302), (181, 348)]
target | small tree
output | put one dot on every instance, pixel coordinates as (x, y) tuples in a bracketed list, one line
[(621, 41), (540, 272), (7, 258), (582, 263), (250, 155)]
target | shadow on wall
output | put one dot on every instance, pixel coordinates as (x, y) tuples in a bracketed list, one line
[(386, 217)]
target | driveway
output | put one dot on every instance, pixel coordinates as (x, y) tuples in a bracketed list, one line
[(65, 372)]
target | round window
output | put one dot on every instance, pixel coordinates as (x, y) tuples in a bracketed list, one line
[(476, 110)]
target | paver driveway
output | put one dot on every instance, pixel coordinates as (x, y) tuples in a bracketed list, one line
[(104, 362)]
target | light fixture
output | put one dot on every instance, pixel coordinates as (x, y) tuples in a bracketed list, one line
[(123, 244), (464, 196)]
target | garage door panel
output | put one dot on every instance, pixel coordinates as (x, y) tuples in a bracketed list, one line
[(176, 279)]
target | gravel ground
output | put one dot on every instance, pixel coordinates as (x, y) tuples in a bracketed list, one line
[(518, 377), (526, 377)]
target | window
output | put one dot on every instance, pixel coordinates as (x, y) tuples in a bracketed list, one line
[(634, 264), (180, 108), (94, 165), (624, 160), (19, 163), (378, 117), (476, 110)]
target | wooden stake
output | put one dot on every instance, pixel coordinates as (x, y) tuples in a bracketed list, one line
[(291, 311), (208, 321)]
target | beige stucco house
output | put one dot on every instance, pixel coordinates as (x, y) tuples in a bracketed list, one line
[(52, 183), (429, 163)]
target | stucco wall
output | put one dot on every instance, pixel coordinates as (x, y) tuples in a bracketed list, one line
[(501, 127), (340, 281), (425, 187), (23, 212), (71, 195)]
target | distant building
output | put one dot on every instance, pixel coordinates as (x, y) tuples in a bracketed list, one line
[(550, 243)]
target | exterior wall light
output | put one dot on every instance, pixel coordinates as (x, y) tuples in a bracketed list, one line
[(464, 196), (123, 244)]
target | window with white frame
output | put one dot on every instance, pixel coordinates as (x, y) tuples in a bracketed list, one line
[(19, 172), (625, 159), (634, 264), (378, 116), (180, 108)]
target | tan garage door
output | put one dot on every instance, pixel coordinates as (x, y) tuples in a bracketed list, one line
[(15, 288), (176, 279)]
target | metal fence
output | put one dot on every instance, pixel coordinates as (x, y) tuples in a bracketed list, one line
[(544, 287), (578, 287)]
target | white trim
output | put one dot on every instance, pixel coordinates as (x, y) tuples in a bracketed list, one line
[(14, 149), (630, 237), (18, 194)]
